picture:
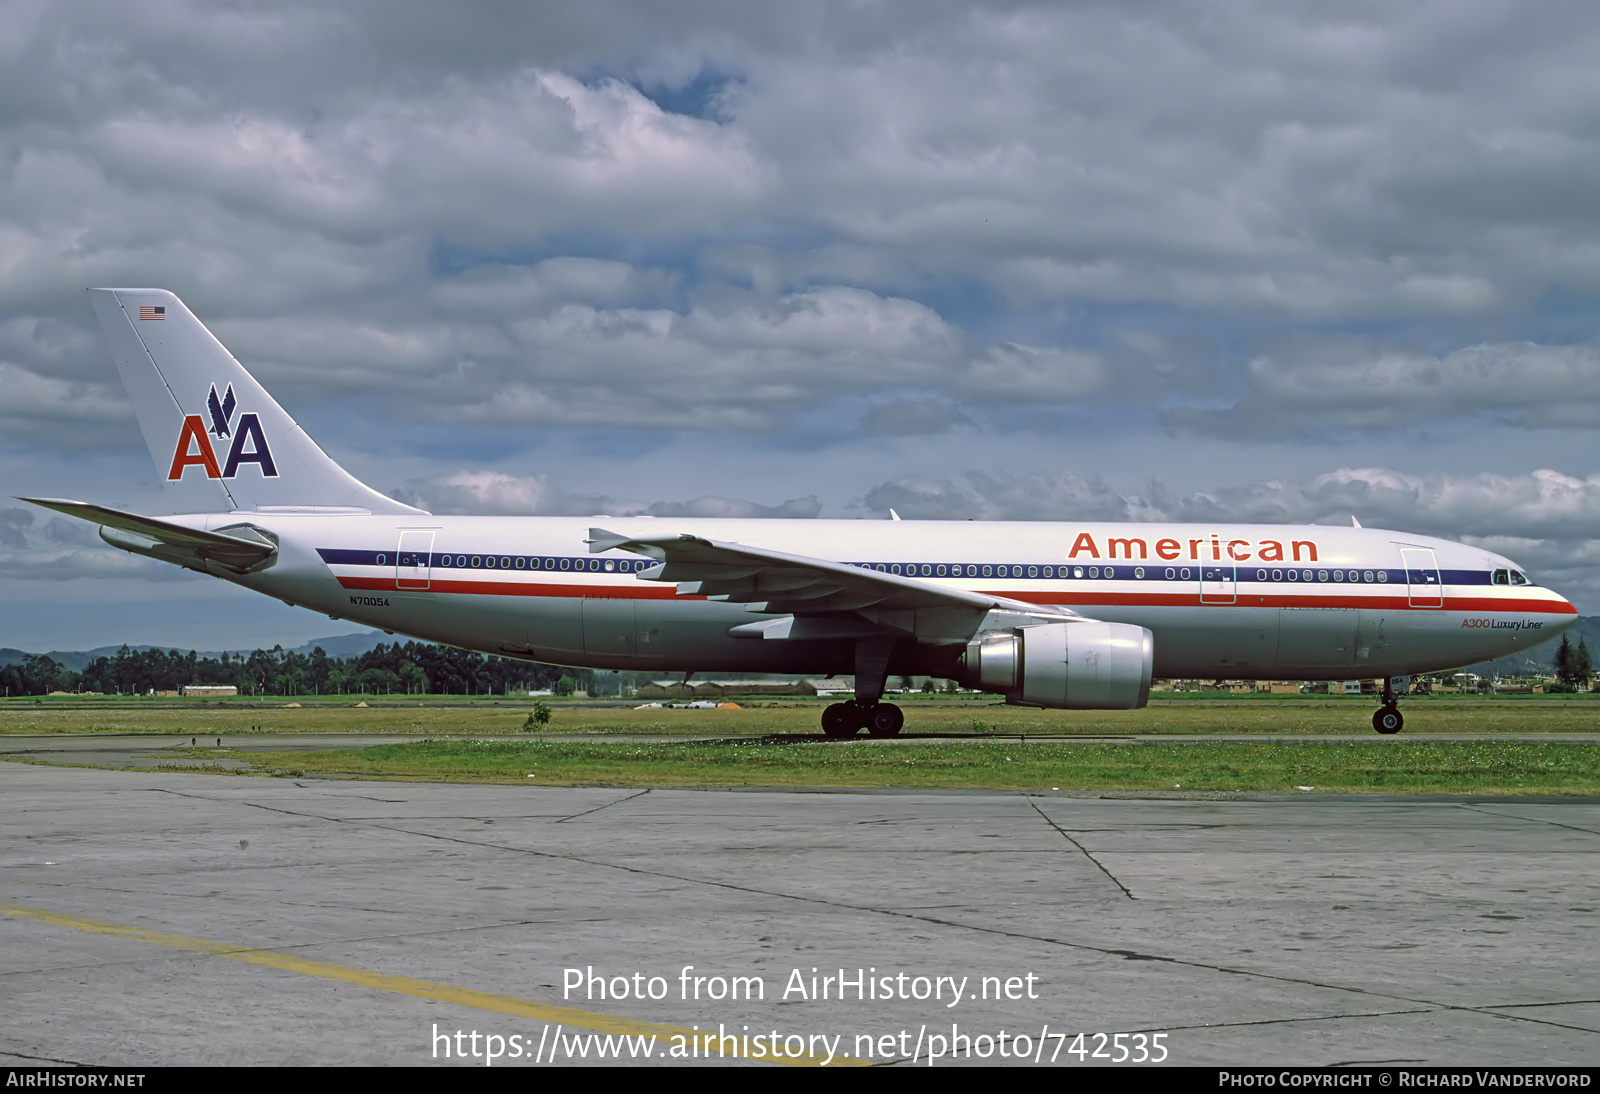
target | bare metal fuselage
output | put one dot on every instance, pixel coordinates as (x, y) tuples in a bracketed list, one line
[(1237, 601)]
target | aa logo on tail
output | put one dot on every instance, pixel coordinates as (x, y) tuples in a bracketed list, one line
[(246, 442)]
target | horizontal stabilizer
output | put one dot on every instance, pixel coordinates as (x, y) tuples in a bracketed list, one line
[(242, 548)]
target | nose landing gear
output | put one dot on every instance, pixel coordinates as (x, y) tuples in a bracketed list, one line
[(1387, 718)]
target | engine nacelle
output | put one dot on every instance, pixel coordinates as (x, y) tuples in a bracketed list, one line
[(1086, 665)]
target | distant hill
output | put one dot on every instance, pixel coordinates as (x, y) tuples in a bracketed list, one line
[(338, 645), (349, 645)]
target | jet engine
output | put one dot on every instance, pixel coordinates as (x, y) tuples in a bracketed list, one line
[(1083, 665)]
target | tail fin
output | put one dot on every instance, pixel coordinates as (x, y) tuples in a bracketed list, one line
[(216, 436)]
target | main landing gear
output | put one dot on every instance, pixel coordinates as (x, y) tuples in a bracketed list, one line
[(1387, 719), (867, 710), (847, 719)]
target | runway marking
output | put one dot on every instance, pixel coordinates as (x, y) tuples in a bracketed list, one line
[(570, 1017)]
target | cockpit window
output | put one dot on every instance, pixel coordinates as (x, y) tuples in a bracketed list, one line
[(1501, 577), (1519, 578)]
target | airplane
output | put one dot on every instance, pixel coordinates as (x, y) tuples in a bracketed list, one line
[(1059, 615)]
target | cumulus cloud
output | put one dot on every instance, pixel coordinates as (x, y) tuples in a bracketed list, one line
[(1253, 157), (430, 202), (494, 493), (1330, 382), (913, 417), (709, 506), (510, 347), (60, 413), (37, 548), (979, 496)]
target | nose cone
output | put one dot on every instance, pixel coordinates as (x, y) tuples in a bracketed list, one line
[(1558, 613)]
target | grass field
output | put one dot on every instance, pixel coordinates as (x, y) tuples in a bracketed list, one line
[(1508, 766), (1177, 714), (954, 742)]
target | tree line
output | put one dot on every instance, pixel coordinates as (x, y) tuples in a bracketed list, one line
[(409, 668)]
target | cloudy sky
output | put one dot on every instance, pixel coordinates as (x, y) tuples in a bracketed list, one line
[(1260, 261)]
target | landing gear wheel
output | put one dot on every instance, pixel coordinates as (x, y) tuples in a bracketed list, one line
[(1387, 719), (841, 720), (885, 720)]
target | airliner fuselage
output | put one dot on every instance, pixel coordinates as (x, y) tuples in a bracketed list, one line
[(1237, 601)]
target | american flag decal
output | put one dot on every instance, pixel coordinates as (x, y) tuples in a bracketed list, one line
[(147, 312)]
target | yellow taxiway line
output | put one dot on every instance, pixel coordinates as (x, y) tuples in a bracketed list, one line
[(562, 1017)]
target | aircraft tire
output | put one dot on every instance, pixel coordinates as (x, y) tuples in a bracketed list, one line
[(1387, 719), (885, 720), (841, 721)]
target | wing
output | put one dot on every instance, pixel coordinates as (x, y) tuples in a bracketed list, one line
[(817, 598)]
